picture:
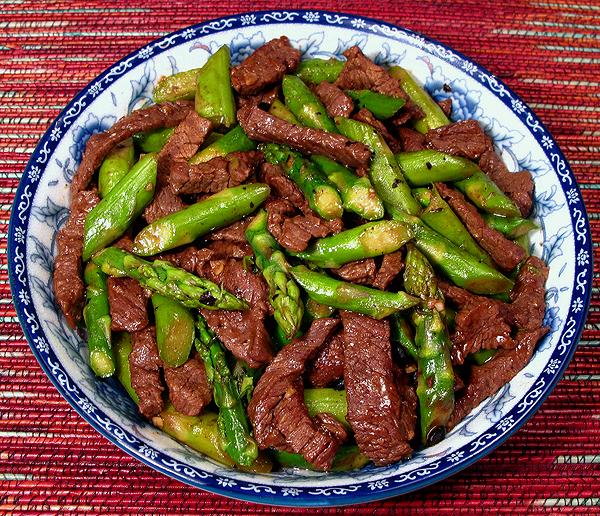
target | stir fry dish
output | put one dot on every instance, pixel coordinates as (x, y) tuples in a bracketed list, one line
[(300, 263)]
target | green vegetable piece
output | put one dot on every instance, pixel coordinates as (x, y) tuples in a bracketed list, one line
[(348, 296), (280, 110), (121, 350), (97, 321), (305, 105), (284, 293), (382, 106), (421, 168), (315, 71), (402, 334), (214, 95), (115, 166), (174, 330), (163, 278), (153, 141), (434, 116), (510, 227), (185, 226), (357, 193), (483, 355), (316, 310), (524, 242), (484, 194), (234, 140), (384, 172), (180, 86), (330, 401), (365, 241), (322, 196), (347, 458), (111, 217)]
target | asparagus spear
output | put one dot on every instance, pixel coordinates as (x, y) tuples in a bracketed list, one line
[(232, 420), (122, 349), (484, 194), (347, 458), (421, 168), (511, 227), (483, 355), (365, 241), (382, 106), (180, 86), (111, 217), (315, 71), (97, 321), (316, 310), (174, 330), (348, 296), (402, 334), (153, 141), (185, 226), (166, 279), (115, 166), (325, 400), (322, 196), (305, 105), (280, 110), (235, 140)]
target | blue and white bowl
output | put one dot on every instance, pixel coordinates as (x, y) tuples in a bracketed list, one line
[(41, 207)]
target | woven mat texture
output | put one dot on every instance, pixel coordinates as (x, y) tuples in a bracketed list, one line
[(52, 460)]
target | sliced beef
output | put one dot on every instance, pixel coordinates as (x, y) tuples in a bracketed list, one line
[(408, 403), (233, 233), (517, 185), (125, 242), (144, 366), (331, 425), (277, 411), (488, 378), (328, 365), (242, 332), (465, 138), (391, 265), (128, 305), (334, 99), (264, 127), (165, 202), (189, 258), (223, 249), (281, 185), (295, 231), (446, 106), (506, 253), (364, 115), (263, 99), (167, 114), (69, 289), (189, 389), (267, 65), (374, 406), (362, 272), (360, 73), (528, 295), (411, 140), (409, 112)]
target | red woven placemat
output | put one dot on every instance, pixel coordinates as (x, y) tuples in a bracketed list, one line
[(548, 51)]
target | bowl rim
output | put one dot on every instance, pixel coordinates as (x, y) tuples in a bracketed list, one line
[(343, 20)]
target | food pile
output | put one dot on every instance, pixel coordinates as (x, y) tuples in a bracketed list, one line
[(300, 263)]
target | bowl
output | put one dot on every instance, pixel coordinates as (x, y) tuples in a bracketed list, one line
[(563, 240)]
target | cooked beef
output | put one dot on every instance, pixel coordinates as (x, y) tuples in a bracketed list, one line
[(488, 378), (223, 249), (144, 366), (216, 174), (242, 332), (127, 300), (408, 403), (281, 185), (328, 365), (528, 295), (167, 114), (264, 127), (517, 185), (189, 258), (331, 425), (365, 116), (409, 112), (189, 390), (267, 65), (506, 253), (465, 138), (391, 265), (410, 140), (446, 106), (232, 233), (277, 411), (362, 272), (334, 99), (68, 283), (360, 73), (125, 242), (262, 99), (295, 231), (374, 406), (165, 202)]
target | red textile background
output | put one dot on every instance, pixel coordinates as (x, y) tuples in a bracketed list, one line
[(548, 51)]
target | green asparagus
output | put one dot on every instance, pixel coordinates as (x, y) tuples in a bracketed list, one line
[(510, 227), (153, 141), (121, 350), (347, 458), (115, 166), (402, 334), (280, 110), (330, 401), (180, 86), (382, 106), (315, 71), (424, 167), (174, 330), (234, 140), (305, 105), (316, 310), (483, 355), (484, 194)]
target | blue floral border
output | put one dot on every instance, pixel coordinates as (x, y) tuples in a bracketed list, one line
[(278, 495)]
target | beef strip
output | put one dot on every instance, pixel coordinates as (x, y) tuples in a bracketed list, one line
[(362, 272), (277, 411), (409, 112), (223, 249), (334, 99), (408, 402), (365, 116), (446, 106), (331, 425), (165, 202), (264, 127), (517, 185), (374, 406), (144, 366), (189, 258), (69, 289), (360, 73), (189, 389), (465, 138), (166, 114), (125, 242), (281, 185), (233, 233), (391, 265), (528, 295), (243, 332), (488, 378), (328, 365), (506, 253), (127, 300), (411, 140), (263, 99), (267, 65)]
